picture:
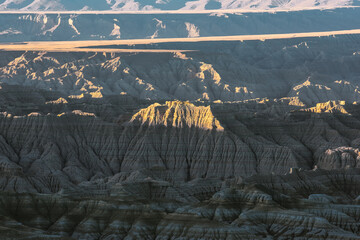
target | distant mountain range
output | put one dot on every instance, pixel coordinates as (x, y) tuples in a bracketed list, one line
[(25, 26), (148, 5)]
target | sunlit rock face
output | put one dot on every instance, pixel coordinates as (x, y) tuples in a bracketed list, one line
[(234, 140), (177, 114), (304, 71)]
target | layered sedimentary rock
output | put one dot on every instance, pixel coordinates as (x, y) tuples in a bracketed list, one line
[(156, 153), (260, 141), (307, 71)]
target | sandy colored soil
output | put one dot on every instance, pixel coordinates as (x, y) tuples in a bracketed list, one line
[(81, 46)]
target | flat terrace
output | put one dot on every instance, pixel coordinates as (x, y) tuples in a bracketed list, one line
[(102, 45)]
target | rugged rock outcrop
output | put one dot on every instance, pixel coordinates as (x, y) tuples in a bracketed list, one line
[(178, 115), (306, 74), (104, 146)]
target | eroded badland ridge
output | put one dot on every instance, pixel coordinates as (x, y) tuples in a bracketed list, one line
[(208, 140)]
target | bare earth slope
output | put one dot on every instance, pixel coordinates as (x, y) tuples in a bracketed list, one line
[(205, 140), (308, 70)]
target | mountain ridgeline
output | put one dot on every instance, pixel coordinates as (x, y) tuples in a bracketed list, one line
[(163, 5), (46, 26)]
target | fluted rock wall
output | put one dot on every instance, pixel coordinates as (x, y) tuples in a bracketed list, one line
[(96, 145)]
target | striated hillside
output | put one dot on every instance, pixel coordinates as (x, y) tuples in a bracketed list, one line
[(306, 70), (179, 115), (231, 140), (234, 170)]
